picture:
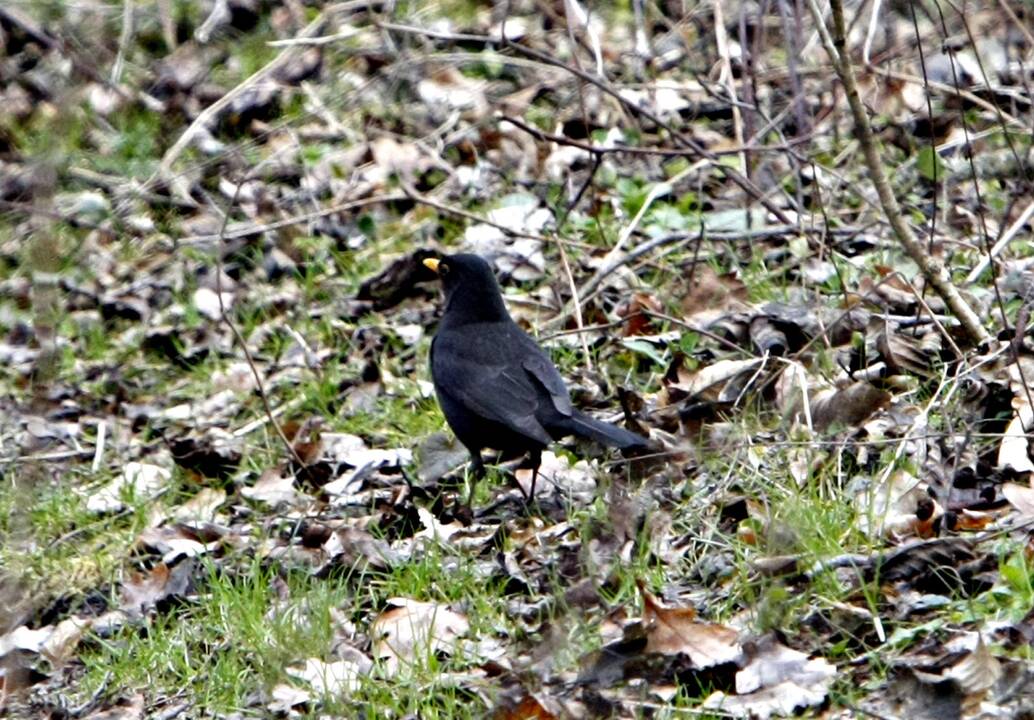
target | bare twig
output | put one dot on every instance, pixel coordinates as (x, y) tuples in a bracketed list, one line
[(560, 243), (418, 197), (206, 116), (932, 268), (260, 386), (722, 45), (633, 150), (731, 173), (123, 41), (246, 229), (98, 454), (1007, 237)]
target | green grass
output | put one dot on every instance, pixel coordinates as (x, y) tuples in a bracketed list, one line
[(234, 639), (50, 539)]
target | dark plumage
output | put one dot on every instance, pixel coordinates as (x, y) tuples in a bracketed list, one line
[(496, 386)]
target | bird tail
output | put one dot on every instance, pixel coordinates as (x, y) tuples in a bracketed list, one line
[(602, 432)]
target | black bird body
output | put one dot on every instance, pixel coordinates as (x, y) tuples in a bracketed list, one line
[(496, 386)]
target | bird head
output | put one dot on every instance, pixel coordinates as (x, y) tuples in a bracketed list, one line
[(471, 291)]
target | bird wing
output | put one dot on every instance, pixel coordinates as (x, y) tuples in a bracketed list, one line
[(540, 368), (487, 381)]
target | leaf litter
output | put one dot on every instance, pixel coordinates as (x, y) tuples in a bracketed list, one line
[(838, 517)]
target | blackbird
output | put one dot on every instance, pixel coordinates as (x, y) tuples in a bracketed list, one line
[(495, 385)]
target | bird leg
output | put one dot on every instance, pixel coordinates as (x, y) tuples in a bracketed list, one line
[(477, 465), (476, 472), (535, 459)]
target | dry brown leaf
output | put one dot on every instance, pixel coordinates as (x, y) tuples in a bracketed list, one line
[(130, 709), (201, 507), (448, 88), (713, 382), (904, 354), (972, 520), (529, 708), (62, 643), (670, 631), (711, 295), (977, 672), (847, 407), (143, 590), (392, 157), (272, 488)]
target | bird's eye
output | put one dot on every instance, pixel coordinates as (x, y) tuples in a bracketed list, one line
[(443, 269)]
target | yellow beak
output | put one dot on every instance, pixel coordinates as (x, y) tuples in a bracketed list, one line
[(432, 263)]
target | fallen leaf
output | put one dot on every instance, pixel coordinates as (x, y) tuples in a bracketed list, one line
[(201, 507), (338, 678), (670, 631), (23, 638), (1020, 497), (145, 590), (142, 480), (272, 488), (206, 301), (59, 647), (130, 709), (1014, 452), (405, 632), (777, 680), (977, 672)]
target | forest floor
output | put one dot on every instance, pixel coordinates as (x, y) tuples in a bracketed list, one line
[(227, 488)]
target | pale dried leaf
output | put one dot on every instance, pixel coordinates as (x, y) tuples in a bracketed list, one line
[(709, 381), (557, 475), (201, 507), (847, 407), (434, 530), (890, 509), (63, 642), (1020, 497), (285, 697), (777, 680), (141, 480), (978, 671), (273, 489), (22, 638), (449, 88), (407, 631), (773, 664), (1014, 453), (206, 302), (338, 678)]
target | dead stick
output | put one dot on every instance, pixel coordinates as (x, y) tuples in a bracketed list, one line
[(932, 268)]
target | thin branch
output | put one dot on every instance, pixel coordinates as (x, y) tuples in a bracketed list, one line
[(240, 338), (1007, 237), (413, 194), (630, 150), (932, 268), (745, 184), (246, 229)]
